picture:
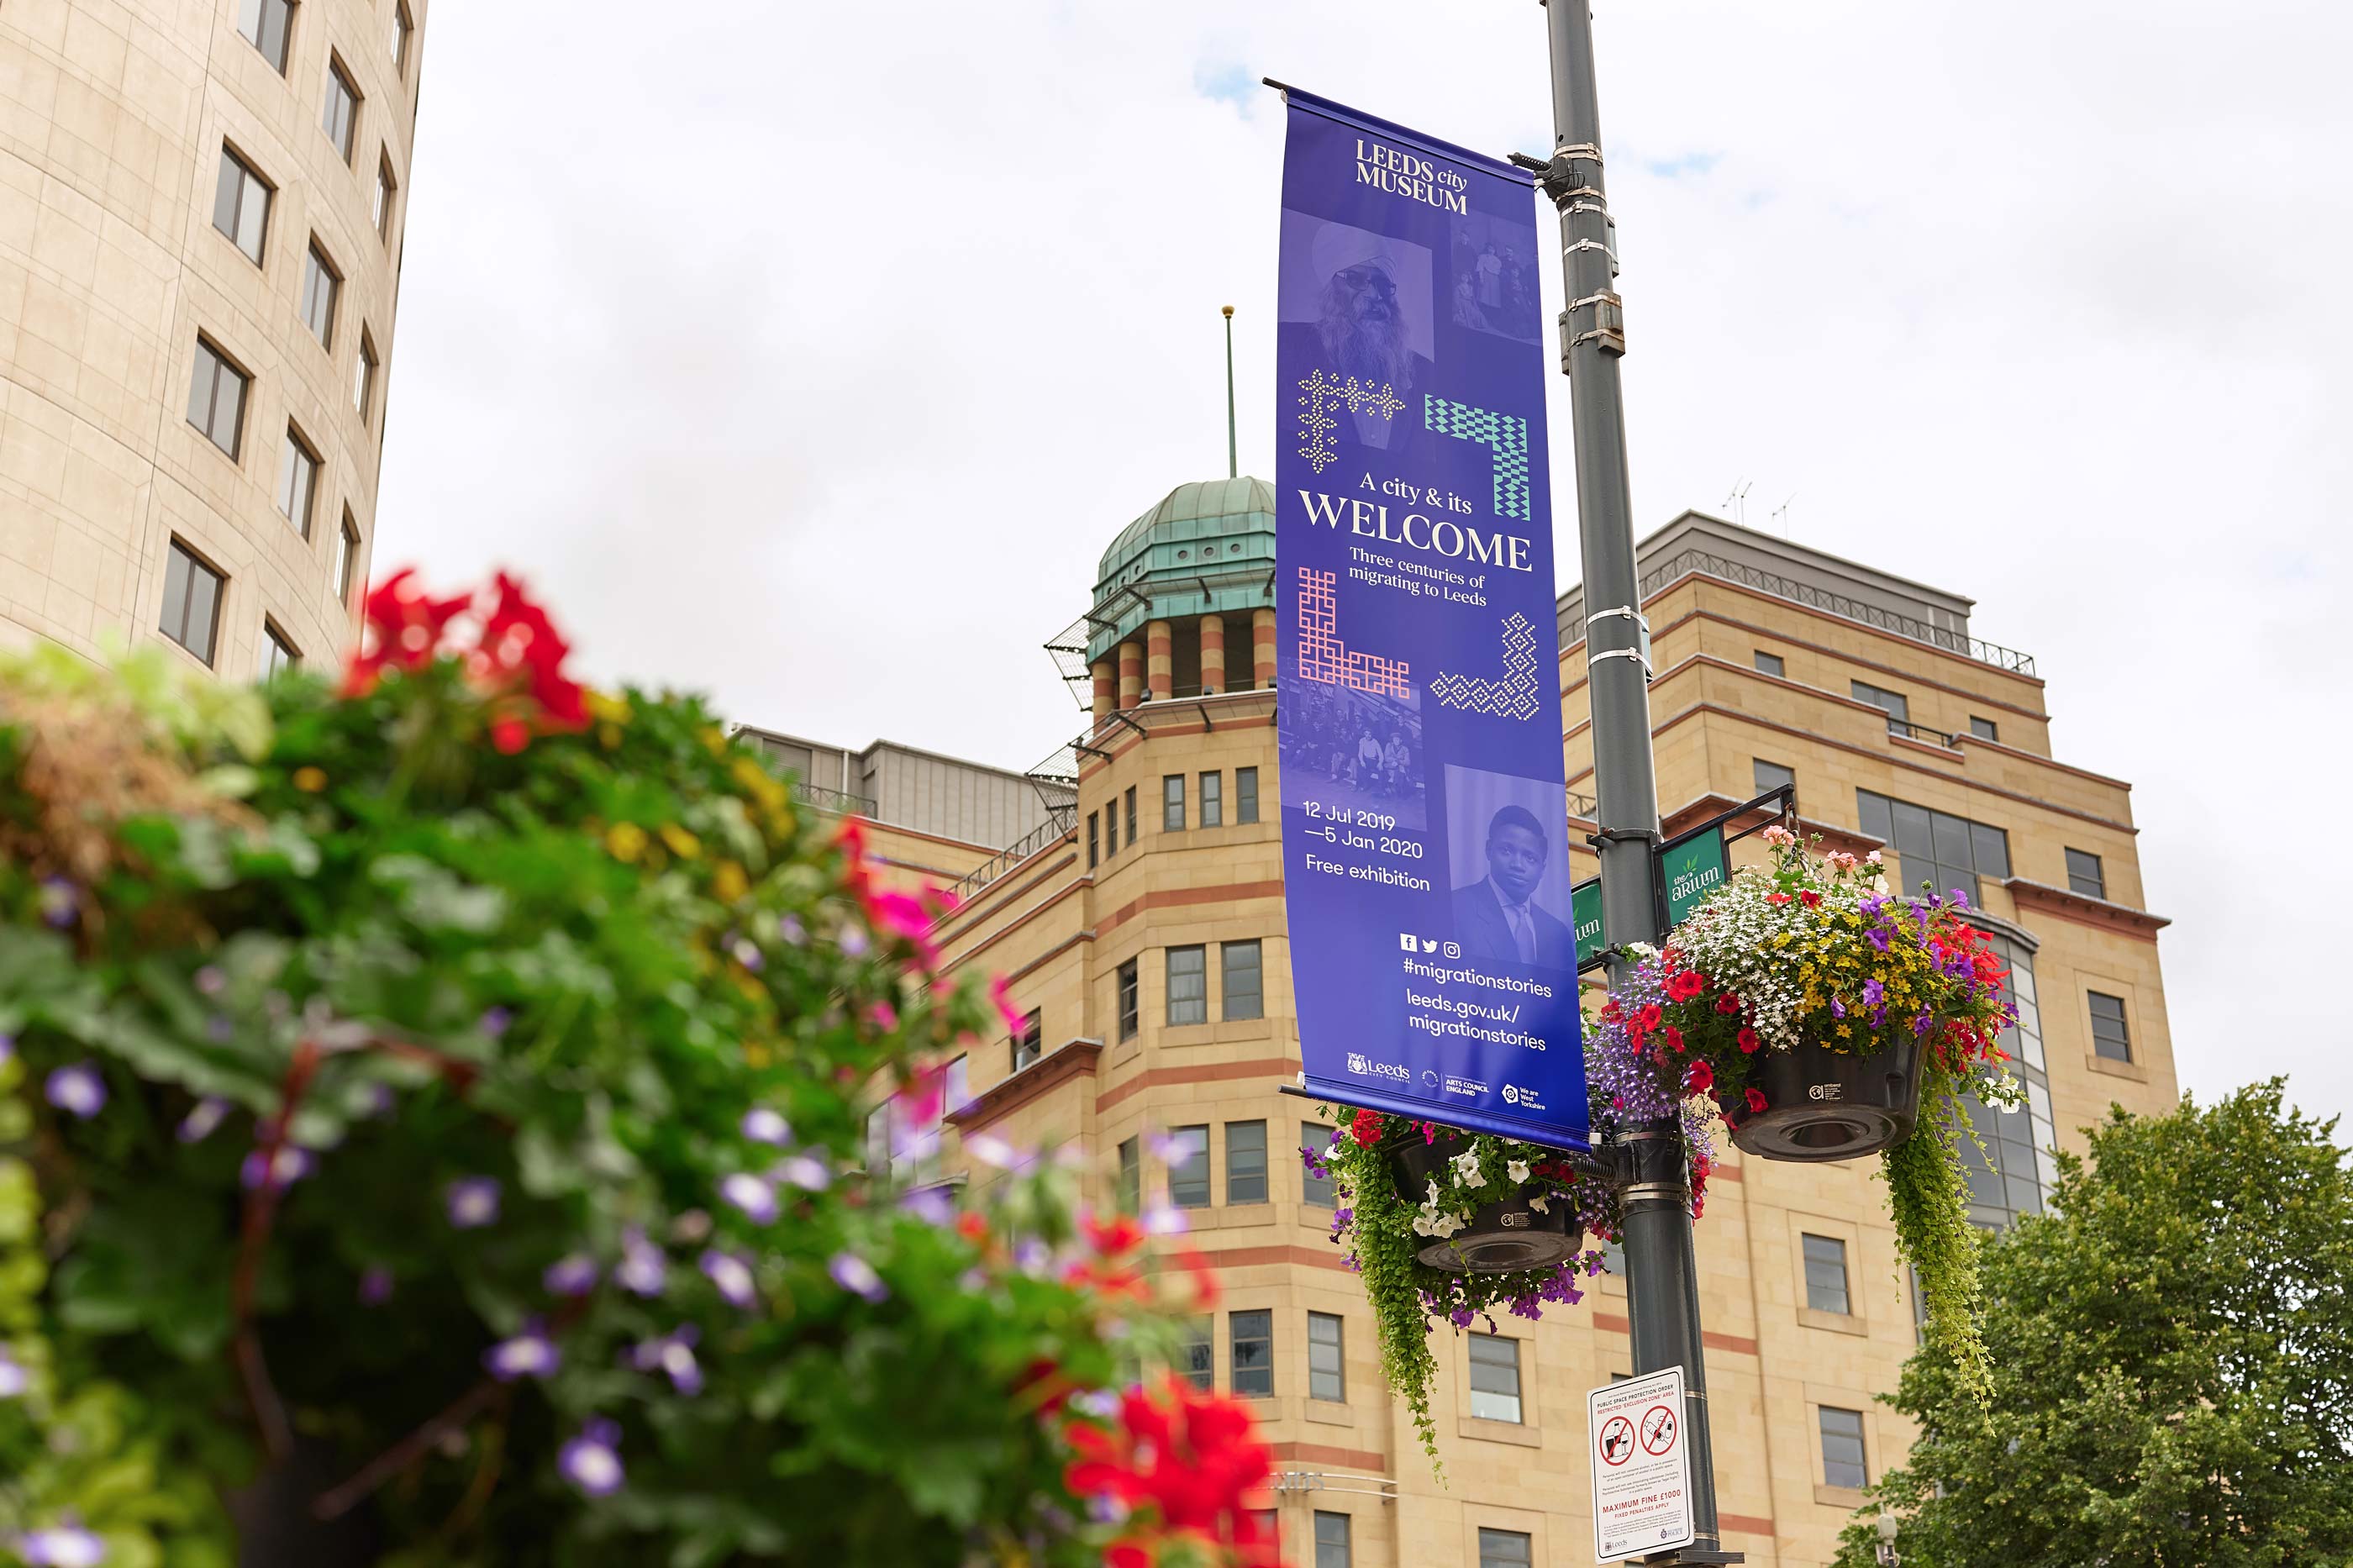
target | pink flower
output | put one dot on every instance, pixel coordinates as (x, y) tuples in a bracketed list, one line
[(1777, 835), (1002, 995)]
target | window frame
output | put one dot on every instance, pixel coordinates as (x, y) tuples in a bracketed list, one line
[(1183, 1167), (1260, 1376), (261, 9), (1095, 841), (1780, 666), (1521, 1556), (1213, 798), (347, 560), (1984, 729), (1029, 1045), (1496, 1364), (222, 364), (2122, 1040), (403, 39), (1241, 1183), (1172, 803), (1197, 1000), (275, 641), (179, 550), (1129, 991), (1860, 1463), (339, 75), (1256, 992), (1111, 828), (298, 449), (1245, 799), (1332, 1350), (249, 179), (1819, 1288), (2097, 875), (1899, 714), (318, 264), (1129, 1194), (1309, 1182), (1131, 816), (1337, 1540), (365, 365), (387, 192), (1757, 768), (1198, 1349)]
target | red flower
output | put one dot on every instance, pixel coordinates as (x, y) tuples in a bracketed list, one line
[(1182, 1462), (1755, 1099), (1366, 1129), (1809, 898), (1776, 897), (521, 644), (1727, 1004), (1113, 1238), (1674, 1038), (1683, 987), (1648, 1020), (509, 735), (1699, 1078), (1748, 1040), (408, 627)]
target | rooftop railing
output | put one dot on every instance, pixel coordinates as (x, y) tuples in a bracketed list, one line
[(1005, 859), (1781, 587), (838, 801)]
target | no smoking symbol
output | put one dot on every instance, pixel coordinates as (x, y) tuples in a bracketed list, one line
[(1617, 1440), (1658, 1430)]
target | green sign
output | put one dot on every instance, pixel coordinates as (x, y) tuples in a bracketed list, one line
[(1689, 871), (1585, 903)]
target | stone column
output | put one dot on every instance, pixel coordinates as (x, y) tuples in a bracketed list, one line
[(1131, 672), (1106, 686), (1262, 649), (1213, 652), (1159, 659)]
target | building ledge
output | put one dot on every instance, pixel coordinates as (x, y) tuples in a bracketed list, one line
[(2084, 909), (1698, 809), (1071, 1058)]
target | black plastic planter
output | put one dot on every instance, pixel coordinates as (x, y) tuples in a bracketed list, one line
[(1828, 1105), (1502, 1237)]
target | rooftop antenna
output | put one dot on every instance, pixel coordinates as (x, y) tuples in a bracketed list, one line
[(1233, 459), (1782, 512), (1736, 503)]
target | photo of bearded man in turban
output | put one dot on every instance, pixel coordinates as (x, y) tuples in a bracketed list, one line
[(1369, 296)]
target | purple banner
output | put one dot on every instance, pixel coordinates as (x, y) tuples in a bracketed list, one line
[(1425, 822)]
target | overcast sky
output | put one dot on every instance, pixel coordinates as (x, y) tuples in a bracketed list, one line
[(811, 355)]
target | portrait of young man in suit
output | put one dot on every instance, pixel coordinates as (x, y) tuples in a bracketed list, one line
[(1497, 916)]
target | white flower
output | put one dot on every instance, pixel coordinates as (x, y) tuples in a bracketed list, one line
[(1874, 857), (1541, 1204), (1466, 1166), (1517, 1170)]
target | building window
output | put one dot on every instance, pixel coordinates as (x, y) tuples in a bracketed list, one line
[(1770, 775), (1269, 1530), (1494, 1378), (266, 24), (1244, 988), (1331, 1540), (321, 283), (1826, 1274), (2084, 875), (1127, 1013), (2011, 1163), (1504, 1548), (1094, 842), (1245, 795), (192, 595), (1984, 729), (1312, 1188), (1251, 1362), (1898, 707), (1131, 816), (1946, 851), (1327, 1374), (1245, 1162), (1196, 1354), (387, 187), (217, 398), (347, 559), (363, 378), (1030, 1044), (1111, 828), (1213, 800), (297, 481), (403, 28), (340, 117), (2110, 1037), (1131, 1176), (278, 653), (241, 205), (1768, 663), (1842, 1449), (1188, 1167), (1188, 985)]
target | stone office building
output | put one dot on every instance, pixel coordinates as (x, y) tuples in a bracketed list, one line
[(1141, 923)]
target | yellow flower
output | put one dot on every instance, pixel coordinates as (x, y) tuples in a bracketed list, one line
[(756, 1055), (682, 843), (758, 782), (626, 842), (728, 883), (309, 781), (611, 710)]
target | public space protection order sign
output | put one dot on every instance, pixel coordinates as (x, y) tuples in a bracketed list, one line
[(1641, 1466), (1425, 822)]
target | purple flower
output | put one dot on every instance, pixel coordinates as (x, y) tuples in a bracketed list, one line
[(931, 1204), (857, 1276), (78, 1090), (761, 1125), (7, 1046), (1879, 937), (748, 954), (529, 1353), (733, 1275), (376, 1100), (853, 943), (375, 1286), (473, 1202), (748, 1192), (1920, 1024), (572, 1276), (278, 1171), (1165, 1219), (643, 1270), (1838, 1008), (672, 1355), (793, 931), (58, 901), (805, 1172), (67, 1545), (1874, 993), (198, 1124), (591, 1461), (219, 1030), (210, 981), (494, 1021), (13, 1379), (991, 1150), (1959, 900)]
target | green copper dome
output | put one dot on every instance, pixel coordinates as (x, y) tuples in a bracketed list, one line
[(1206, 547)]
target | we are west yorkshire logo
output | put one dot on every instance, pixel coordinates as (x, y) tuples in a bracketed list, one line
[(1402, 174)]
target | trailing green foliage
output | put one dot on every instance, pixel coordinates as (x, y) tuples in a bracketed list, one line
[(1929, 1198)]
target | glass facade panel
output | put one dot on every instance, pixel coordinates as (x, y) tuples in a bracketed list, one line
[(1945, 851)]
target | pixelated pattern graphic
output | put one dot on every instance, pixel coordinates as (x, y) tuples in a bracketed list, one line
[(1515, 695), (1323, 657), (1320, 393), (1507, 435)]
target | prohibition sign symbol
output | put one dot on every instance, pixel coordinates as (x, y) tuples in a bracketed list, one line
[(1617, 1440), (1658, 1430)]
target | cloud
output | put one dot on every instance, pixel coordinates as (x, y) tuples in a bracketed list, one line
[(811, 355)]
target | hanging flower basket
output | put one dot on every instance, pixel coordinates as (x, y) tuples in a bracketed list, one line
[(1820, 1011), (1515, 1235)]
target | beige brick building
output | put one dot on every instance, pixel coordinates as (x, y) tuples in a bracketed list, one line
[(201, 211), (1141, 923)]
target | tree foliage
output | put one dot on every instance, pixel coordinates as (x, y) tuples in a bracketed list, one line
[(2173, 1362)]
